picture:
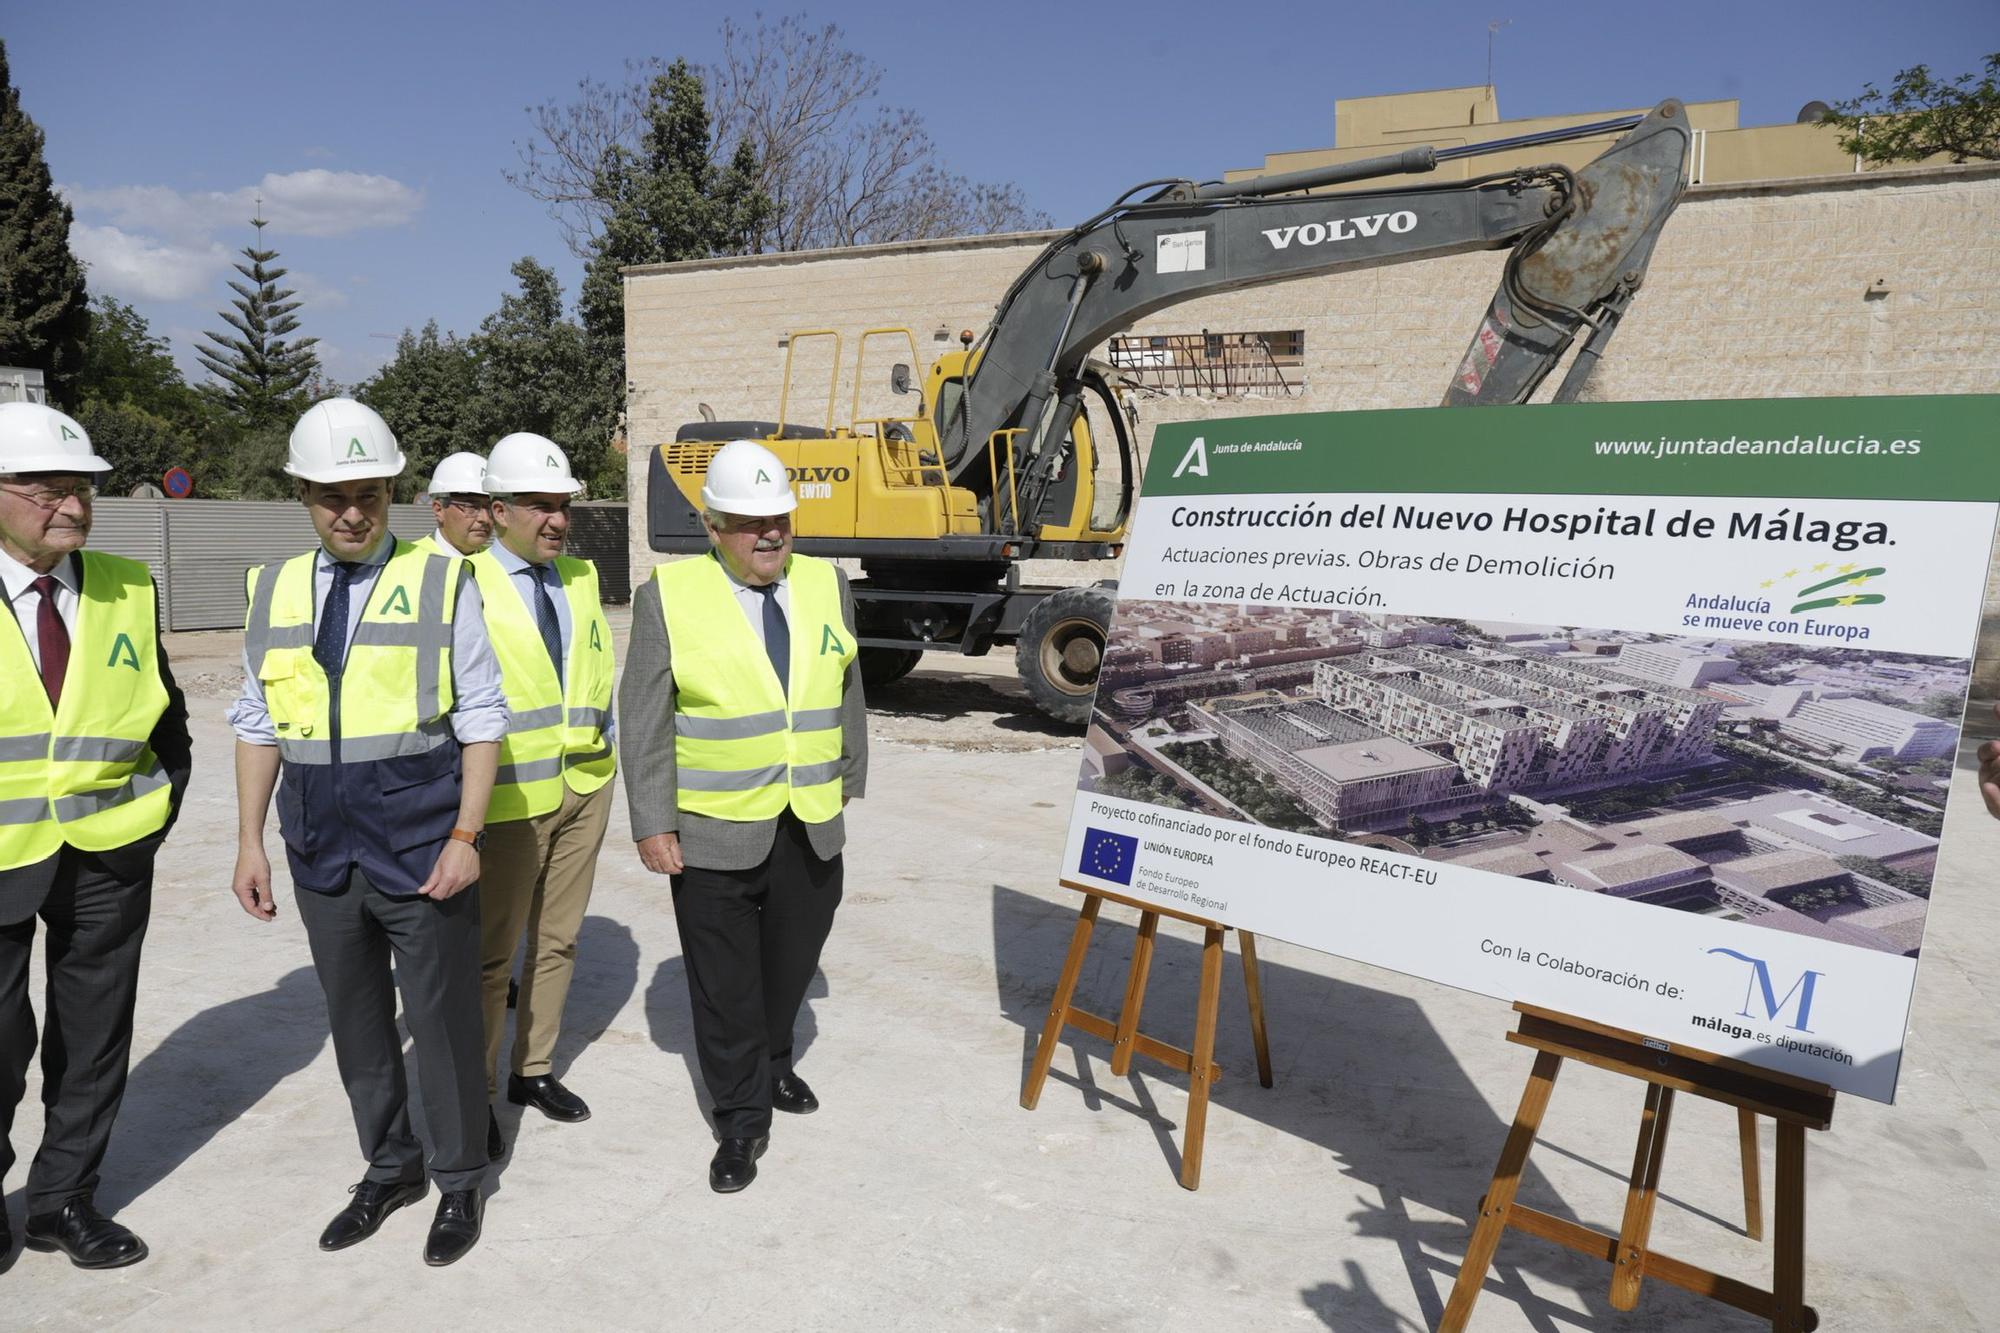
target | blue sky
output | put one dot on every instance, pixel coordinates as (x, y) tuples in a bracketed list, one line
[(377, 133)]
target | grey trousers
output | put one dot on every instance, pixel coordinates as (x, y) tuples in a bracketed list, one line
[(95, 920), (354, 933)]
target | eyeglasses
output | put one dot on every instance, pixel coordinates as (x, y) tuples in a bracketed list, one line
[(52, 497), (469, 506)]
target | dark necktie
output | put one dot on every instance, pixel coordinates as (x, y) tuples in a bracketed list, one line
[(53, 636), (330, 644), (545, 617), (777, 637)]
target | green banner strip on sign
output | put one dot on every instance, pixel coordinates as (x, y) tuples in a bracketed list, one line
[(1921, 447)]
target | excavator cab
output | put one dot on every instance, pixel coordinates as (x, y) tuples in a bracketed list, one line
[(879, 477)]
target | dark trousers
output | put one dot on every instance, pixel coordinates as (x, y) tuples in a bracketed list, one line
[(354, 933), (751, 942), (96, 923)]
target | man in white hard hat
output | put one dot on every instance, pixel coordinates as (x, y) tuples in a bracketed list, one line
[(94, 759), (552, 800), (744, 736), (369, 684), (461, 506)]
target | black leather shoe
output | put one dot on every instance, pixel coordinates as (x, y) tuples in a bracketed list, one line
[(373, 1202), (735, 1163), (455, 1229), (790, 1093), (496, 1142), (547, 1095), (88, 1237)]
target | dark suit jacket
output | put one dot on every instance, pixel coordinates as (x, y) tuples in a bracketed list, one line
[(646, 750), (23, 888)]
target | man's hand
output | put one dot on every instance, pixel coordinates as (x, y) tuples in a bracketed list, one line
[(252, 883), (1989, 773), (457, 867), (661, 853)]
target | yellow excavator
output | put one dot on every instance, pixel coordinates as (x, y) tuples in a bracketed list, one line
[(1002, 459)]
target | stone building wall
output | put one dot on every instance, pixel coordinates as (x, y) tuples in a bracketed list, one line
[(1882, 283)]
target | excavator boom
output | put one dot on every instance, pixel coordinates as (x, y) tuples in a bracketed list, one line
[(1579, 241)]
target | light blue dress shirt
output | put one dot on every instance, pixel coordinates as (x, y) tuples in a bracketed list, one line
[(479, 705)]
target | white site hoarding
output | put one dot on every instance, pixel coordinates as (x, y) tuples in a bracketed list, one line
[(1641, 712)]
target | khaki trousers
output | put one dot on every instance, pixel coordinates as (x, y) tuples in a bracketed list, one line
[(535, 877)]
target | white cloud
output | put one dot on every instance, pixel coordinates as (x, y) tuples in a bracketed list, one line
[(141, 268), (315, 202), (316, 293)]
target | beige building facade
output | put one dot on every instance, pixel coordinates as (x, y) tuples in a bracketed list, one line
[(1881, 283)]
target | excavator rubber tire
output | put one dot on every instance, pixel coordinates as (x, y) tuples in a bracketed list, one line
[(886, 666), (1060, 649)]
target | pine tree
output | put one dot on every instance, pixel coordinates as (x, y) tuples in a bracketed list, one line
[(44, 311), (668, 201), (262, 373)]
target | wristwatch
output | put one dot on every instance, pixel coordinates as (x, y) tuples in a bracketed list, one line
[(466, 835)]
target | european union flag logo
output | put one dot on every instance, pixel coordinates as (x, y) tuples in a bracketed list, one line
[(1109, 855)]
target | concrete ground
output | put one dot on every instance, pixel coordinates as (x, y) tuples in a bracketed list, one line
[(922, 1196)]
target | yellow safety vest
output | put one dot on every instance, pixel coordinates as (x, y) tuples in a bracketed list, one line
[(555, 729), (743, 749), (396, 683), (85, 774)]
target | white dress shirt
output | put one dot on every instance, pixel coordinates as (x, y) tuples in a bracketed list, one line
[(19, 581)]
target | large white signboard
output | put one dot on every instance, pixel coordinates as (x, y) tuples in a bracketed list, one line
[(1641, 712)]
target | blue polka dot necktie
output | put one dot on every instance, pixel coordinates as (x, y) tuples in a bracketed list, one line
[(330, 643)]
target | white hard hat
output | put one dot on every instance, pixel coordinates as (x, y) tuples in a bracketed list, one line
[(527, 464), (746, 478), (462, 473), (339, 439), (34, 438)]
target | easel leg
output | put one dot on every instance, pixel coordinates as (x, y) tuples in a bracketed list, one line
[(1500, 1194), (1135, 994), (1201, 1074), (1788, 1285), (1045, 1052), (1253, 986), (1629, 1269), (1753, 1193)]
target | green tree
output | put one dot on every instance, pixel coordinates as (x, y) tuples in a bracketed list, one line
[(667, 201), (263, 371), (1921, 117), (429, 395), (140, 445), (44, 309), (141, 412), (535, 374)]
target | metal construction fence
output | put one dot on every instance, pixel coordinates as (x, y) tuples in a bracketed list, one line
[(199, 550)]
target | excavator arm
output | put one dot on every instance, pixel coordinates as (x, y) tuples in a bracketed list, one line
[(1579, 242)]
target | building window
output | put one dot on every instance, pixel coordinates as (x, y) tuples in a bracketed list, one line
[(1268, 364)]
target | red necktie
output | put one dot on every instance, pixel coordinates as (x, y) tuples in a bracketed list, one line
[(54, 637)]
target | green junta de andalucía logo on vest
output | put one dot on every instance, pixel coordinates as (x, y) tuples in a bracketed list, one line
[(829, 642), (123, 653)]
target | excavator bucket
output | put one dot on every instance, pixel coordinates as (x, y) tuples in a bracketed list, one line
[(1581, 271)]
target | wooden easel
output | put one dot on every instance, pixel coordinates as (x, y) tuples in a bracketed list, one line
[(1124, 1035), (1796, 1104)]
